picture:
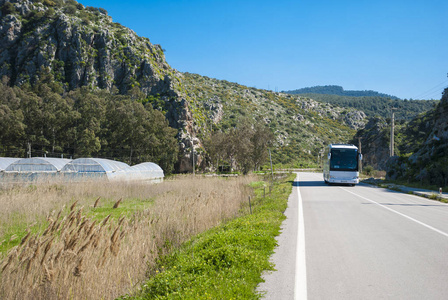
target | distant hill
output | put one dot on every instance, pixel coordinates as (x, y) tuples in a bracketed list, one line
[(374, 106), (337, 90)]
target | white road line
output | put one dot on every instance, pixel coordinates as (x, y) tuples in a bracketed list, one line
[(399, 213), (300, 286)]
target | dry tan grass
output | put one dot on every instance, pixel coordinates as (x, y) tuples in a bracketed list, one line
[(76, 257)]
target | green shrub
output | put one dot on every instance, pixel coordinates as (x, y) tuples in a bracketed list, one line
[(70, 9), (49, 3), (368, 170), (8, 8)]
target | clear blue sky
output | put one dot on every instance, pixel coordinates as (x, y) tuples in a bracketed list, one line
[(397, 47)]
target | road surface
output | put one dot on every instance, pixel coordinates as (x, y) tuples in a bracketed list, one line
[(361, 242)]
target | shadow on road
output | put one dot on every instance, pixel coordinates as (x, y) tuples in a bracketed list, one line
[(319, 183), (406, 204)]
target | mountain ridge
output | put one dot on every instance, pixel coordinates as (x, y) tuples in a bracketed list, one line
[(338, 90)]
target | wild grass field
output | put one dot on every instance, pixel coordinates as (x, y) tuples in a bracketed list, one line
[(102, 240), (226, 262)]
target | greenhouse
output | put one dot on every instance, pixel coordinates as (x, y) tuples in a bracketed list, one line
[(44, 169), (6, 161), (85, 168), (35, 169), (37, 164), (147, 171)]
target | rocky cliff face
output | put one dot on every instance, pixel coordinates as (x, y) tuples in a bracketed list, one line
[(375, 143), (81, 46)]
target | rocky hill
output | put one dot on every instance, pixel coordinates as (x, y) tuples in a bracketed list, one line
[(424, 148), (420, 148), (375, 142), (82, 47), (375, 106), (302, 126), (338, 90)]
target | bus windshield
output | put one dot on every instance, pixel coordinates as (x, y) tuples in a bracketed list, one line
[(344, 160)]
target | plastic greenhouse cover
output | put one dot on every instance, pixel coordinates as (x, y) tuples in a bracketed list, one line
[(6, 161), (146, 166), (143, 171), (94, 165), (43, 164)]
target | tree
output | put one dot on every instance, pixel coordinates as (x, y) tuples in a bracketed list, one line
[(138, 133), (88, 113), (261, 139), (12, 128), (88, 144), (243, 147)]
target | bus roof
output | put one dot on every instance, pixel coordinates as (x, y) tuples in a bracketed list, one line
[(343, 146)]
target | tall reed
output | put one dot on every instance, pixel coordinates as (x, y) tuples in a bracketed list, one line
[(78, 257)]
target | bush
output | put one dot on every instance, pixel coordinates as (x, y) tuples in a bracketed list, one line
[(49, 3), (8, 8), (368, 170), (70, 9)]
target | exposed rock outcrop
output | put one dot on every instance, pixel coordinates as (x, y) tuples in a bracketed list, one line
[(81, 48), (375, 143)]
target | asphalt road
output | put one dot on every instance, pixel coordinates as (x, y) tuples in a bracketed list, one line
[(361, 242)]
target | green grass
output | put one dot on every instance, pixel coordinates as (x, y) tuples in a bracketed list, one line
[(225, 262), (14, 232), (126, 207)]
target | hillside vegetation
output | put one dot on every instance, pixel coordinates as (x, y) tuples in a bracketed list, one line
[(379, 106), (338, 91), (301, 126), (423, 148), (85, 53), (420, 146), (83, 123)]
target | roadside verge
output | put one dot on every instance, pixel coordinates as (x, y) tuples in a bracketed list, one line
[(225, 262), (435, 195)]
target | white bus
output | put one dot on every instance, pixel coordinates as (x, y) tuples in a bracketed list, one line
[(341, 164)]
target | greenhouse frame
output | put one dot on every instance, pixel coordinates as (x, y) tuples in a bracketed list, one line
[(6, 161), (37, 164), (45, 169), (147, 171)]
